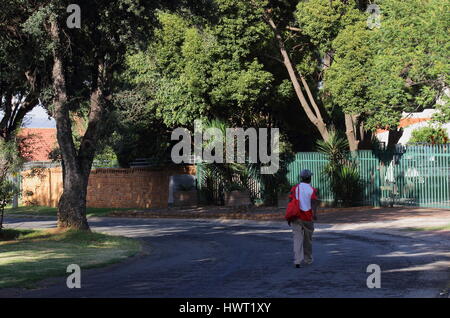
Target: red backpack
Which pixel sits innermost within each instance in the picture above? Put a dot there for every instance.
(293, 209)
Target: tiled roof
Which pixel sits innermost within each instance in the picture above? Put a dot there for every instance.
(405, 122)
(37, 143)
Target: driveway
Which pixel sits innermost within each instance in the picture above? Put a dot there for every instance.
(237, 258)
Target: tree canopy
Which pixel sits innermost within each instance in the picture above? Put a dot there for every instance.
(190, 72)
(226, 64)
(401, 66)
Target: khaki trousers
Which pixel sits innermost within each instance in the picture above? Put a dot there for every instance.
(302, 231)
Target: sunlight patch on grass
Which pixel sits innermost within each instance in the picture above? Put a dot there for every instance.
(34, 255)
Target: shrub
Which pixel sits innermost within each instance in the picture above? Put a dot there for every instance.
(276, 183)
(347, 189)
(10, 163)
(431, 135)
(7, 192)
(341, 173)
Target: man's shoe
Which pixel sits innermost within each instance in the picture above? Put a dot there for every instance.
(297, 265)
(309, 262)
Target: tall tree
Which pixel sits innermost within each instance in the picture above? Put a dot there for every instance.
(269, 11)
(322, 21)
(84, 61)
(23, 68)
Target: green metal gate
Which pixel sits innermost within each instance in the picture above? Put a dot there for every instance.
(409, 176)
(422, 177)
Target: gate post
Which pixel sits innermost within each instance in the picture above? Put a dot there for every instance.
(377, 192)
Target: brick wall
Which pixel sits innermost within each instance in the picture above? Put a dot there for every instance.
(107, 188)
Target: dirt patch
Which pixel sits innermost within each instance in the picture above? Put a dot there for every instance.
(370, 214)
(248, 213)
(326, 215)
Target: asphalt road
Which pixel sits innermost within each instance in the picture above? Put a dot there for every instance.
(206, 258)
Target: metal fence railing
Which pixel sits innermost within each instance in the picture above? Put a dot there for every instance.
(417, 175)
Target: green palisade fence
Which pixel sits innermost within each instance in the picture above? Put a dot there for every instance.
(414, 176)
(423, 176)
(315, 162)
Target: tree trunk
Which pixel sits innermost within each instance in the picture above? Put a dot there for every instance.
(314, 116)
(1, 218)
(393, 137)
(72, 204)
(366, 138)
(358, 138)
(76, 164)
(350, 131)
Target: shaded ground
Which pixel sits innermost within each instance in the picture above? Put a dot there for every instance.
(238, 258)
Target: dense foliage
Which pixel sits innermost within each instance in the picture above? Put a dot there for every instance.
(429, 135)
(10, 163)
(401, 66)
(340, 171)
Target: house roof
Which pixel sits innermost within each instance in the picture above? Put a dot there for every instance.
(409, 119)
(37, 143)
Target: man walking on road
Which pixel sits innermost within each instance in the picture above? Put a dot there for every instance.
(303, 226)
